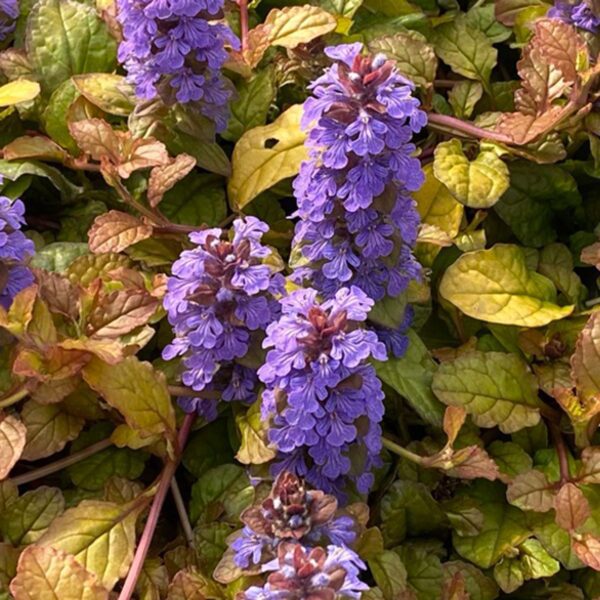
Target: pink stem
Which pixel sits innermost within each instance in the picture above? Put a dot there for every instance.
(155, 509)
(244, 23)
(468, 129)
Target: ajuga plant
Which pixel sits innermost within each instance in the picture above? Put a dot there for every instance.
(15, 250)
(175, 49)
(220, 292)
(324, 396)
(298, 538)
(299, 300)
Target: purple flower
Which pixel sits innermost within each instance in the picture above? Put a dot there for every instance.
(9, 12)
(220, 292)
(322, 394)
(358, 222)
(175, 49)
(15, 250)
(580, 14)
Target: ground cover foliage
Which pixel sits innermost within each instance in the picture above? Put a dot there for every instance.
(299, 300)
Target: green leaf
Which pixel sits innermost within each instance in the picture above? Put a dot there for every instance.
(510, 458)
(93, 472)
(221, 492)
(28, 517)
(9, 557)
(424, 571)
(344, 8)
(208, 448)
(49, 428)
(210, 543)
(100, 535)
(496, 285)
(79, 41)
(389, 574)
(265, 155)
(21, 90)
(478, 183)
(463, 97)
(56, 115)
(556, 263)
(537, 201)
(407, 507)
(252, 104)
(198, 198)
(466, 49)
(495, 388)
(411, 377)
(58, 257)
(15, 169)
(483, 17)
(504, 526)
(46, 573)
(137, 391)
(413, 56)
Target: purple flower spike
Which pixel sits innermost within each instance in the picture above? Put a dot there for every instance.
(15, 250)
(580, 14)
(9, 12)
(323, 395)
(219, 293)
(175, 49)
(358, 222)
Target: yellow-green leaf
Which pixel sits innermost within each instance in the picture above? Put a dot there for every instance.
(258, 163)
(12, 442)
(254, 449)
(294, 25)
(50, 574)
(100, 535)
(21, 90)
(478, 183)
(495, 388)
(496, 285)
(437, 207)
(49, 428)
(137, 391)
(108, 91)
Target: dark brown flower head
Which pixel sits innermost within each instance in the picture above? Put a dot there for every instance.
(310, 579)
(290, 511)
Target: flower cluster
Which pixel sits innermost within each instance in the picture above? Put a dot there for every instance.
(358, 222)
(324, 397)
(15, 249)
(219, 293)
(580, 14)
(176, 47)
(296, 534)
(9, 11)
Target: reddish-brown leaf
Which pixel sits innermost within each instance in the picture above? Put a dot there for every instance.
(59, 294)
(587, 548)
(141, 154)
(590, 255)
(53, 363)
(114, 231)
(473, 462)
(165, 177)
(590, 469)
(455, 588)
(96, 138)
(120, 312)
(39, 147)
(531, 491)
(571, 506)
(585, 363)
(454, 419)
